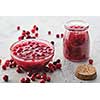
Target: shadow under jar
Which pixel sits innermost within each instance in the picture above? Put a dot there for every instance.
(76, 42)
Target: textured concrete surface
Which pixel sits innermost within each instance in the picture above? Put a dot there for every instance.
(8, 35)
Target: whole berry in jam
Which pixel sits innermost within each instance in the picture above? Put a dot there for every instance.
(91, 61)
(5, 78)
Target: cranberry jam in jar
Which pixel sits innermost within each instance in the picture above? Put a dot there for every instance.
(76, 42)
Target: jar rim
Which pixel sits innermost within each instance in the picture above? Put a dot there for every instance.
(82, 23)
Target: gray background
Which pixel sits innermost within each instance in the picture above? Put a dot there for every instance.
(8, 35)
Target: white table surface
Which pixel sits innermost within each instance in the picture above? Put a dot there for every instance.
(8, 35)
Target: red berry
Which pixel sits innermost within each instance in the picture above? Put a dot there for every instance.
(23, 33)
(49, 32)
(52, 42)
(62, 35)
(57, 35)
(27, 80)
(34, 26)
(58, 66)
(36, 35)
(22, 80)
(27, 32)
(44, 76)
(5, 78)
(0, 61)
(58, 61)
(42, 81)
(33, 77)
(38, 76)
(4, 67)
(37, 28)
(19, 70)
(48, 78)
(20, 38)
(18, 27)
(91, 61)
(33, 30)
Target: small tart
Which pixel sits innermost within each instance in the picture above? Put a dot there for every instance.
(86, 72)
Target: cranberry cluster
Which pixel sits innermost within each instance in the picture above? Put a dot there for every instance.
(27, 34)
(35, 74)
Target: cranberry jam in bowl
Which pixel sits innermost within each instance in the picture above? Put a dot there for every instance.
(32, 53)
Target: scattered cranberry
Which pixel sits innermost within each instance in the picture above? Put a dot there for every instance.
(37, 28)
(48, 78)
(33, 30)
(20, 38)
(49, 32)
(58, 61)
(91, 61)
(27, 80)
(62, 35)
(33, 77)
(24, 31)
(58, 65)
(42, 81)
(38, 76)
(29, 73)
(27, 32)
(22, 80)
(19, 70)
(52, 42)
(36, 35)
(18, 27)
(57, 35)
(34, 26)
(44, 76)
(0, 61)
(5, 78)
(4, 67)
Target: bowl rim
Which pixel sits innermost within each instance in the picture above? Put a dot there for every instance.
(31, 60)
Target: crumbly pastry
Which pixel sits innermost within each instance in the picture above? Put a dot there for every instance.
(86, 72)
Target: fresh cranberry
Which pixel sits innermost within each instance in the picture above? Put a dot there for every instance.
(44, 76)
(57, 35)
(33, 77)
(38, 76)
(48, 78)
(34, 26)
(27, 32)
(22, 80)
(52, 42)
(37, 28)
(19, 70)
(36, 34)
(18, 27)
(4, 67)
(29, 73)
(49, 32)
(27, 80)
(58, 61)
(62, 35)
(0, 61)
(58, 65)
(91, 61)
(24, 31)
(20, 38)
(12, 65)
(33, 30)
(5, 78)
(42, 81)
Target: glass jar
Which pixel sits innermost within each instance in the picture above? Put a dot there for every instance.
(76, 42)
